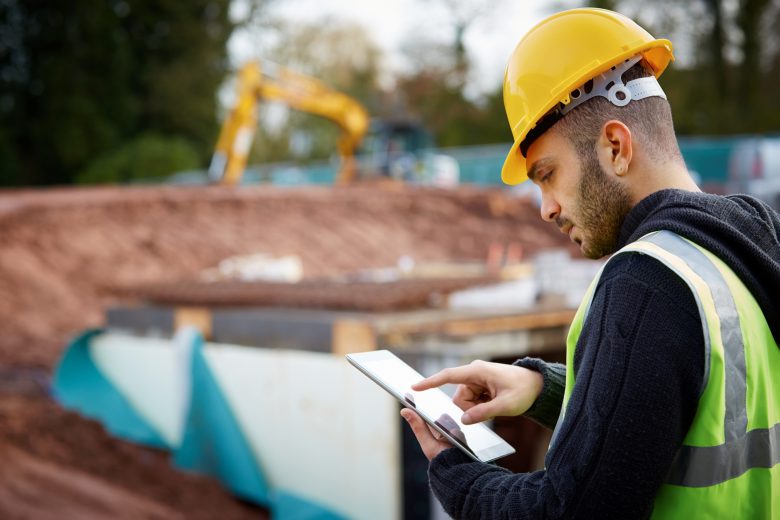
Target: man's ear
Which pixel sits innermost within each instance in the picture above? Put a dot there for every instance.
(615, 147)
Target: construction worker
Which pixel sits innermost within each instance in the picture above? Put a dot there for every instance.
(669, 403)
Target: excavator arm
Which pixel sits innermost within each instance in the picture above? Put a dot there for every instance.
(258, 82)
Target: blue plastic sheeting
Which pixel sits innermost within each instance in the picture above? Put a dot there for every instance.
(291, 507)
(212, 443)
(79, 385)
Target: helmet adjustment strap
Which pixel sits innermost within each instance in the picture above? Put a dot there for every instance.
(608, 85)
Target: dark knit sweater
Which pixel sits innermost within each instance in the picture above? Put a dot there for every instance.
(639, 365)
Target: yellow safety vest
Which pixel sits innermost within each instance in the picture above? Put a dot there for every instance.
(729, 463)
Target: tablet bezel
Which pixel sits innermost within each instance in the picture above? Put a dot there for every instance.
(488, 454)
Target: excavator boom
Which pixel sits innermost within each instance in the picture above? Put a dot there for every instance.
(268, 81)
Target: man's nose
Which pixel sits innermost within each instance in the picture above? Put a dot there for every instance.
(550, 209)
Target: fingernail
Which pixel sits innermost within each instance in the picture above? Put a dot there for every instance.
(466, 419)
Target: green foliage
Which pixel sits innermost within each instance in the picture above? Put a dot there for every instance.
(453, 119)
(434, 92)
(81, 78)
(149, 156)
(728, 61)
(9, 172)
(604, 4)
(89, 87)
(54, 83)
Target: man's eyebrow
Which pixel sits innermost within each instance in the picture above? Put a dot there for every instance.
(538, 165)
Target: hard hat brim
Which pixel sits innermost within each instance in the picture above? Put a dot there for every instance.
(514, 170)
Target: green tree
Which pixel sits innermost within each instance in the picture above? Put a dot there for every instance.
(79, 79)
(434, 89)
(728, 61)
(180, 52)
(65, 87)
(150, 156)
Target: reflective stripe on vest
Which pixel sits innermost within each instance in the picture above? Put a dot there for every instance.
(740, 449)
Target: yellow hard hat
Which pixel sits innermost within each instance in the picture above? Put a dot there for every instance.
(560, 54)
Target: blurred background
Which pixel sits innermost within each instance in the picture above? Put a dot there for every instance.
(126, 91)
(204, 205)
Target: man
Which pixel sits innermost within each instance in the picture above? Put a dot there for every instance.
(670, 400)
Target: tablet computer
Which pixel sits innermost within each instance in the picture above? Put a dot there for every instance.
(437, 409)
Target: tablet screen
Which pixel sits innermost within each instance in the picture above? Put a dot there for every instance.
(433, 405)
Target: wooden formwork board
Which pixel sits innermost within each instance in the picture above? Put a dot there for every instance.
(343, 332)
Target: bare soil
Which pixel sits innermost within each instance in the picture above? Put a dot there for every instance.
(63, 252)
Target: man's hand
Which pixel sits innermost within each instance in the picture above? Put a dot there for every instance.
(431, 441)
(487, 390)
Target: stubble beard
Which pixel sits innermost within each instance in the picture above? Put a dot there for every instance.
(602, 206)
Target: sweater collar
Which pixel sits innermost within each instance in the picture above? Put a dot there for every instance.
(740, 230)
(639, 213)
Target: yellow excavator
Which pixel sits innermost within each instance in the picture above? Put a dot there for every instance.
(267, 81)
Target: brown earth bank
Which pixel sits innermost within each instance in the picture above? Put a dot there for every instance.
(56, 464)
(64, 251)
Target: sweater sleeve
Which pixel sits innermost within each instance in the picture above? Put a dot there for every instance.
(547, 406)
(639, 367)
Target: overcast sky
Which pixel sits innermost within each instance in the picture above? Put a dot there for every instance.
(489, 40)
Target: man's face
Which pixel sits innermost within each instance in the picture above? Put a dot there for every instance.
(586, 202)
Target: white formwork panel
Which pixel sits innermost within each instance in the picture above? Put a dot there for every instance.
(318, 427)
(151, 374)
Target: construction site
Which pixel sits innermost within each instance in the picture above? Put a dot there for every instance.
(149, 330)
(377, 267)
(187, 274)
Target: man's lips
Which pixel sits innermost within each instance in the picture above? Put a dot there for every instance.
(567, 230)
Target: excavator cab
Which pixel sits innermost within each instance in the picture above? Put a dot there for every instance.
(394, 148)
(403, 150)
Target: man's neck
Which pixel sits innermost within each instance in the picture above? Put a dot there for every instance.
(661, 177)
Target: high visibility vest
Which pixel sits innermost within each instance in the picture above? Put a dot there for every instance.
(729, 463)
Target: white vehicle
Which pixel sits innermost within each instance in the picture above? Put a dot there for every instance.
(754, 169)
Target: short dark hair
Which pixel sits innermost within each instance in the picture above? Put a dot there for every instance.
(649, 118)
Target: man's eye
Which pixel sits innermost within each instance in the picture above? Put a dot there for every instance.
(545, 177)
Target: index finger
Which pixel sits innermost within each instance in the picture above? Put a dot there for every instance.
(455, 375)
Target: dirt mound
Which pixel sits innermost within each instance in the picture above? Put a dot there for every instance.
(56, 464)
(62, 251)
